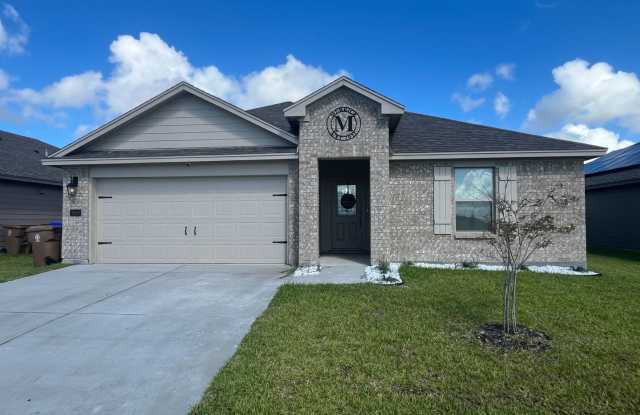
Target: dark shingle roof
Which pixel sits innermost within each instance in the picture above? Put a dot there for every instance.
(20, 159)
(619, 159)
(274, 115)
(207, 151)
(418, 133)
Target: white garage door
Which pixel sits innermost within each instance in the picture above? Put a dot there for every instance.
(204, 219)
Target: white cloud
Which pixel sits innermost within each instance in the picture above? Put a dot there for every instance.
(589, 94)
(289, 81)
(14, 32)
(595, 136)
(466, 102)
(480, 81)
(82, 129)
(4, 80)
(73, 91)
(501, 104)
(147, 65)
(506, 71)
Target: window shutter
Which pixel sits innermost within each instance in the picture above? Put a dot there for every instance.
(442, 200)
(508, 183)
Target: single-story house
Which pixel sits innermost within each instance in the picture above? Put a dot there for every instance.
(188, 177)
(613, 199)
(30, 193)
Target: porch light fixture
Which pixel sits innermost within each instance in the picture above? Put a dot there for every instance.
(72, 186)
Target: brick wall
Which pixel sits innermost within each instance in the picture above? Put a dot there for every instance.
(315, 143)
(410, 233)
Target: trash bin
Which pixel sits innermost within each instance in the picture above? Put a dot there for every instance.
(45, 244)
(45, 253)
(43, 233)
(16, 239)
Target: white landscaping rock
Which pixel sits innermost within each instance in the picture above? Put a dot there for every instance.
(543, 269)
(554, 269)
(374, 275)
(435, 265)
(306, 270)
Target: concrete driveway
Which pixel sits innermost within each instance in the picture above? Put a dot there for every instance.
(124, 339)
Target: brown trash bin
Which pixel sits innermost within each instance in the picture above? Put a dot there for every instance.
(43, 233)
(45, 244)
(45, 253)
(16, 239)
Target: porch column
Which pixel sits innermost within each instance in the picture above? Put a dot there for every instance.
(309, 209)
(379, 182)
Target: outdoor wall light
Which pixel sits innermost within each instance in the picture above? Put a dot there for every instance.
(72, 186)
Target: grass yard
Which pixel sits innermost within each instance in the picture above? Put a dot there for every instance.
(14, 267)
(390, 350)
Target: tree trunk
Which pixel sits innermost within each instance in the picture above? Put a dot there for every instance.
(514, 302)
(506, 309)
(509, 299)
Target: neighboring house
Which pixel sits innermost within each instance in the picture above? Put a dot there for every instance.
(613, 199)
(30, 193)
(188, 177)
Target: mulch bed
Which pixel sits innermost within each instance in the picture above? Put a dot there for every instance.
(525, 339)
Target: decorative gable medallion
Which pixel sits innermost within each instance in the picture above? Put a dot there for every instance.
(343, 124)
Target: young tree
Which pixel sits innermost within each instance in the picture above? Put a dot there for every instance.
(524, 226)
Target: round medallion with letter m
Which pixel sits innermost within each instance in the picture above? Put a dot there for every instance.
(343, 124)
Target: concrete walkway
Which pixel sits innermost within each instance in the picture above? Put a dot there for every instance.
(336, 269)
(124, 339)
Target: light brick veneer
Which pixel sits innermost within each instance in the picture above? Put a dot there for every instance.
(75, 232)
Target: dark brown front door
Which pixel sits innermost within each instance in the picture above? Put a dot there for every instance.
(345, 215)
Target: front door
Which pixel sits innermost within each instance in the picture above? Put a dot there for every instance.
(345, 215)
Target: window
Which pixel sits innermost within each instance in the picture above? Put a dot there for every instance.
(474, 199)
(346, 199)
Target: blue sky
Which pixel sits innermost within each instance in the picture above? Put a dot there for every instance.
(561, 68)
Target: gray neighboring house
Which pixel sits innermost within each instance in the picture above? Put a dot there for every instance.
(188, 177)
(30, 193)
(613, 199)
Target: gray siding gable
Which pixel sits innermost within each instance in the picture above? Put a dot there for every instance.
(186, 121)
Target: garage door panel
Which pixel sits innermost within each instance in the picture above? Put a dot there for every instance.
(237, 219)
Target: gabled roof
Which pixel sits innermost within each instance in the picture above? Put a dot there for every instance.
(419, 135)
(424, 134)
(388, 106)
(182, 87)
(20, 160)
(619, 159)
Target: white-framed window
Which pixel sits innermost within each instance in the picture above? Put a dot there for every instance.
(474, 199)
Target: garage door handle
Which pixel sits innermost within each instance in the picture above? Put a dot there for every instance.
(185, 231)
(195, 230)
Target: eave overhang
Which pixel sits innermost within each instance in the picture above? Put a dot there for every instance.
(458, 155)
(387, 105)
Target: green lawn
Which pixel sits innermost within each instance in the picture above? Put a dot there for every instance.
(14, 267)
(390, 350)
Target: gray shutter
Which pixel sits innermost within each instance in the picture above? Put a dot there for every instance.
(508, 183)
(442, 200)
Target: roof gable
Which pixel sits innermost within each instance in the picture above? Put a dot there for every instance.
(387, 105)
(164, 97)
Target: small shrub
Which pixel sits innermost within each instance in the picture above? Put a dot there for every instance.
(469, 264)
(383, 266)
